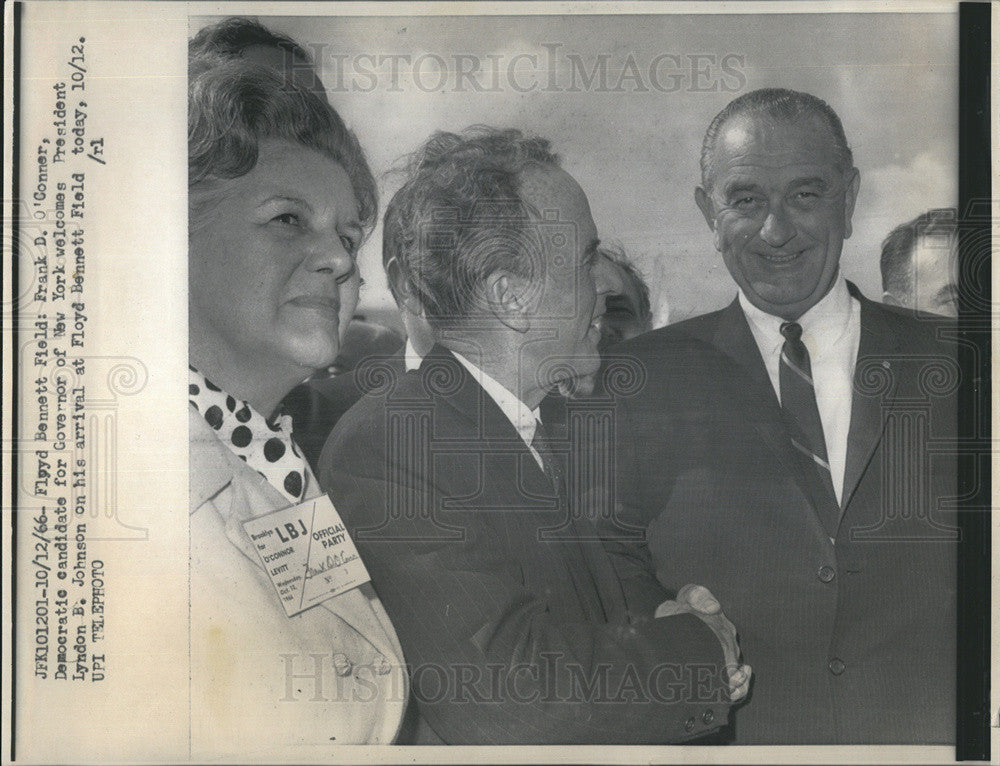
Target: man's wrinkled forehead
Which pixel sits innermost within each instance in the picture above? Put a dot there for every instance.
(760, 141)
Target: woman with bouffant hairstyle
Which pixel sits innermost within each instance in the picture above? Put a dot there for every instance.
(280, 198)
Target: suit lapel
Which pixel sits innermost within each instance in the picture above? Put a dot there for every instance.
(476, 420)
(763, 410)
(573, 537)
(209, 469)
(734, 338)
(253, 496)
(873, 392)
(452, 387)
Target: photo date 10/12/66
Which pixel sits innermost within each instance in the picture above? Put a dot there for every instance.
(69, 611)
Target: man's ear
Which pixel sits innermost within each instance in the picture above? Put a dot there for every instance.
(850, 197)
(505, 297)
(401, 289)
(411, 304)
(394, 278)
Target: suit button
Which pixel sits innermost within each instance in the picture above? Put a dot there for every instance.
(708, 716)
(826, 574)
(382, 665)
(342, 665)
(837, 666)
(689, 724)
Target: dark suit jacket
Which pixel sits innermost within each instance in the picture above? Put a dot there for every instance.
(317, 404)
(852, 642)
(514, 624)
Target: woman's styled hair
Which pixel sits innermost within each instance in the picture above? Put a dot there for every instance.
(234, 104)
(459, 217)
(230, 38)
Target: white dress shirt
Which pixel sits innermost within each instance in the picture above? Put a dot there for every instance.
(522, 417)
(831, 331)
(411, 359)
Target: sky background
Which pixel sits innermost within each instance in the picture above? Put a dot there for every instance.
(892, 78)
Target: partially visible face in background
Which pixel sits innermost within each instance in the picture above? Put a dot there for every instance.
(935, 275)
(623, 314)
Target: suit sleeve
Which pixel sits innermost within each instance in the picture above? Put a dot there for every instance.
(624, 530)
(489, 664)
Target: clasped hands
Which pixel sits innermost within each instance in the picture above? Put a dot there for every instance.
(699, 601)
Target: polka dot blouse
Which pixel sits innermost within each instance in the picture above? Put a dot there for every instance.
(263, 444)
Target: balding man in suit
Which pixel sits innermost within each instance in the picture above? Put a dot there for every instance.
(509, 610)
(790, 451)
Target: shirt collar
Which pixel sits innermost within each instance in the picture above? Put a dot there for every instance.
(210, 471)
(829, 318)
(411, 359)
(522, 417)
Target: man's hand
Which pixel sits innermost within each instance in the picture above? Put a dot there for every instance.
(698, 600)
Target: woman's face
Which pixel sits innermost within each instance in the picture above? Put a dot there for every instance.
(272, 273)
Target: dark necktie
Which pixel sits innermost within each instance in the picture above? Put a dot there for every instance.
(798, 402)
(550, 463)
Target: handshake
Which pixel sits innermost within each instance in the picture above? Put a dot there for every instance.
(699, 601)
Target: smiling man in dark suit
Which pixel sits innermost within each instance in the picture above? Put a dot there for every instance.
(791, 451)
(511, 616)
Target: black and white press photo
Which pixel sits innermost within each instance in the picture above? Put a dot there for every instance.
(557, 375)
